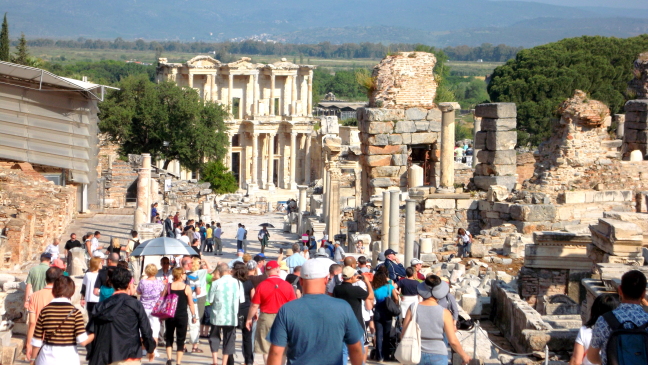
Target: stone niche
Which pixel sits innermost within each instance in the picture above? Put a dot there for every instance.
(404, 79)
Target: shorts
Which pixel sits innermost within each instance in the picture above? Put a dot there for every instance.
(205, 320)
(261, 345)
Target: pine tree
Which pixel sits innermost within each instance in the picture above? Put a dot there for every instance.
(22, 53)
(4, 40)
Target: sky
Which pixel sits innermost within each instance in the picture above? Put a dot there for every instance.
(636, 4)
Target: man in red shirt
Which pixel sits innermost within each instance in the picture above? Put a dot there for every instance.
(269, 296)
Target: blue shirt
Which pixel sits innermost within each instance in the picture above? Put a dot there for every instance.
(315, 328)
(383, 292)
(624, 313)
(295, 260)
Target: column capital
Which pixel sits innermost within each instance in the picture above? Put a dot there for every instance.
(302, 187)
(446, 107)
(293, 133)
(272, 134)
(255, 134)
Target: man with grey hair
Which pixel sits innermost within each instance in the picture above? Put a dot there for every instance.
(295, 259)
(225, 295)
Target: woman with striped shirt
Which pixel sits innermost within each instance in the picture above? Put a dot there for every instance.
(60, 328)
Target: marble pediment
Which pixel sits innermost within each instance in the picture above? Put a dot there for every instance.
(203, 62)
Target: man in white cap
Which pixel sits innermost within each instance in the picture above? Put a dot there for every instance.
(320, 339)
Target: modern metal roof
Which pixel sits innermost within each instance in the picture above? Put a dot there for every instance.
(39, 79)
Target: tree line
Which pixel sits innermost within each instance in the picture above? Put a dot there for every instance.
(485, 52)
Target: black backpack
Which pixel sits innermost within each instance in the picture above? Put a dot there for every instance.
(136, 243)
(626, 346)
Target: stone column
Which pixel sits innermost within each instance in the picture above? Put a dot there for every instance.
(293, 96)
(293, 160)
(190, 77)
(207, 88)
(410, 229)
(249, 97)
(447, 148)
(333, 226)
(270, 184)
(301, 204)
(228, 157)
(143, 211)
(230, 99)
(214, 88)
(285, 103)
(384, 240)
(272, 94)
(476, 129)
(310, 93)
(255, 156)
(307, 159)
(255, 95)
(394, 219)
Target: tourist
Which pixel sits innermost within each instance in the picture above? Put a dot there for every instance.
(177, 326)
(239, 258)
(69, 245)
(394, 267)
(61, 265)
(264, 236)
(102, 276)
(38, 301)
(226, 294)
(464, 240)
(339, 253)
(362, 265)
(602, 304)
(261, 261)
(106, 290)
(360, 247)
(335, 278)
(195, 245)
(320, 339)
(629, 314)
(449, 302)
(383, 288)
(203, 234)
(435, 323)
(469, 154)
(269, 296)
(115, 247)
(197, 281)
(241, 272)
(94, 242)
(240, 236)
(184, 236)
(176, 218)
(36, 277)
(178, 230)
(209, 240)
(134, 264)
(154, 212)
(359, 298)
(306, 237)
(87, 242)
(53, 249)
(168, 226)
(408, 289)
(417, 265)
(149, 290)
(295, 259)
(218, 232)
(205, 320)
(458, 152)
(88, 298)
(164, 274)
(120, 325)
(293, 279)
(59, 328)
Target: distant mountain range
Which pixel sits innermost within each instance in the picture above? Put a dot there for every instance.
(436, 22)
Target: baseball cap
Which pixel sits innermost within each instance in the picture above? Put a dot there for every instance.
(389, 251)
(259, 258)
(251, 265)
(315, 269)
(46, 255)
(261, 255)
(99, 254)
(58, 263)
(415, 262)
(348, 272)
(272, 265)
(240, 251)
(321, 252)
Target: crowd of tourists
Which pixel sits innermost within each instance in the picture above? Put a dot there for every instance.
(313, 304)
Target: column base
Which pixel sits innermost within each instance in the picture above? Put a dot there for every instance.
(444, 190)
(252, 188)
(270, 186)
(293, 185)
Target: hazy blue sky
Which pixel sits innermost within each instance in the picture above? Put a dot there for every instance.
(642, 4)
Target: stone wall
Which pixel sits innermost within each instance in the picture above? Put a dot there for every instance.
(33, 211)
(525, 166)
(635, 135)
(404, 79)
(639, 84)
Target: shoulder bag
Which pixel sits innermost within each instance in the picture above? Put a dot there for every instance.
(166, 306)
(392, 307)
(409, 349)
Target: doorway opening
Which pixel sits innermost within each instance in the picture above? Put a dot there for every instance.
(236, 165)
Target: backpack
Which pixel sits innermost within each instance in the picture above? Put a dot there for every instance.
(136, 243)
(626, 346)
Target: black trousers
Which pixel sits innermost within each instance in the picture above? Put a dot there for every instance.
(248, 354)
(383, 324)
(178, 325)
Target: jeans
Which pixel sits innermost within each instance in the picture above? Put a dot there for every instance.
(383, 323)
(433, 359)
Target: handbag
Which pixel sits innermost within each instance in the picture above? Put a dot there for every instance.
(166, 306)
(409, 349)
(392, 307)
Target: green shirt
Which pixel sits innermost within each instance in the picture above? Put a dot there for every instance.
(225, 296)
(209, 281)
(36, 276)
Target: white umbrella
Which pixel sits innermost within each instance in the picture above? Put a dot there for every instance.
(162, 246)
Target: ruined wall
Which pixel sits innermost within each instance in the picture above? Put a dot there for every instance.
(639, 84)
(404, 79)
(33, 211)
(635, 135)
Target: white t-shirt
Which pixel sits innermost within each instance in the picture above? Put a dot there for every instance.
(178, 233)
(94, 244)
(465, 238)
(584, 338)
(53, 251)
(184, 239)
(89, 281)
(218, 232)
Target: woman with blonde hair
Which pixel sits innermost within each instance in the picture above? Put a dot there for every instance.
(88, 299)
(178, 324)
(149, 290)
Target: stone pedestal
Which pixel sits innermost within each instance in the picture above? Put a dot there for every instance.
(206, 211)
(301, 203)
(447, 148)
(426, 245)
(385, 222)
(410, 229)
(192, 211)
(394, 218)
(78, 262)
(144, 190)
(415, 176)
